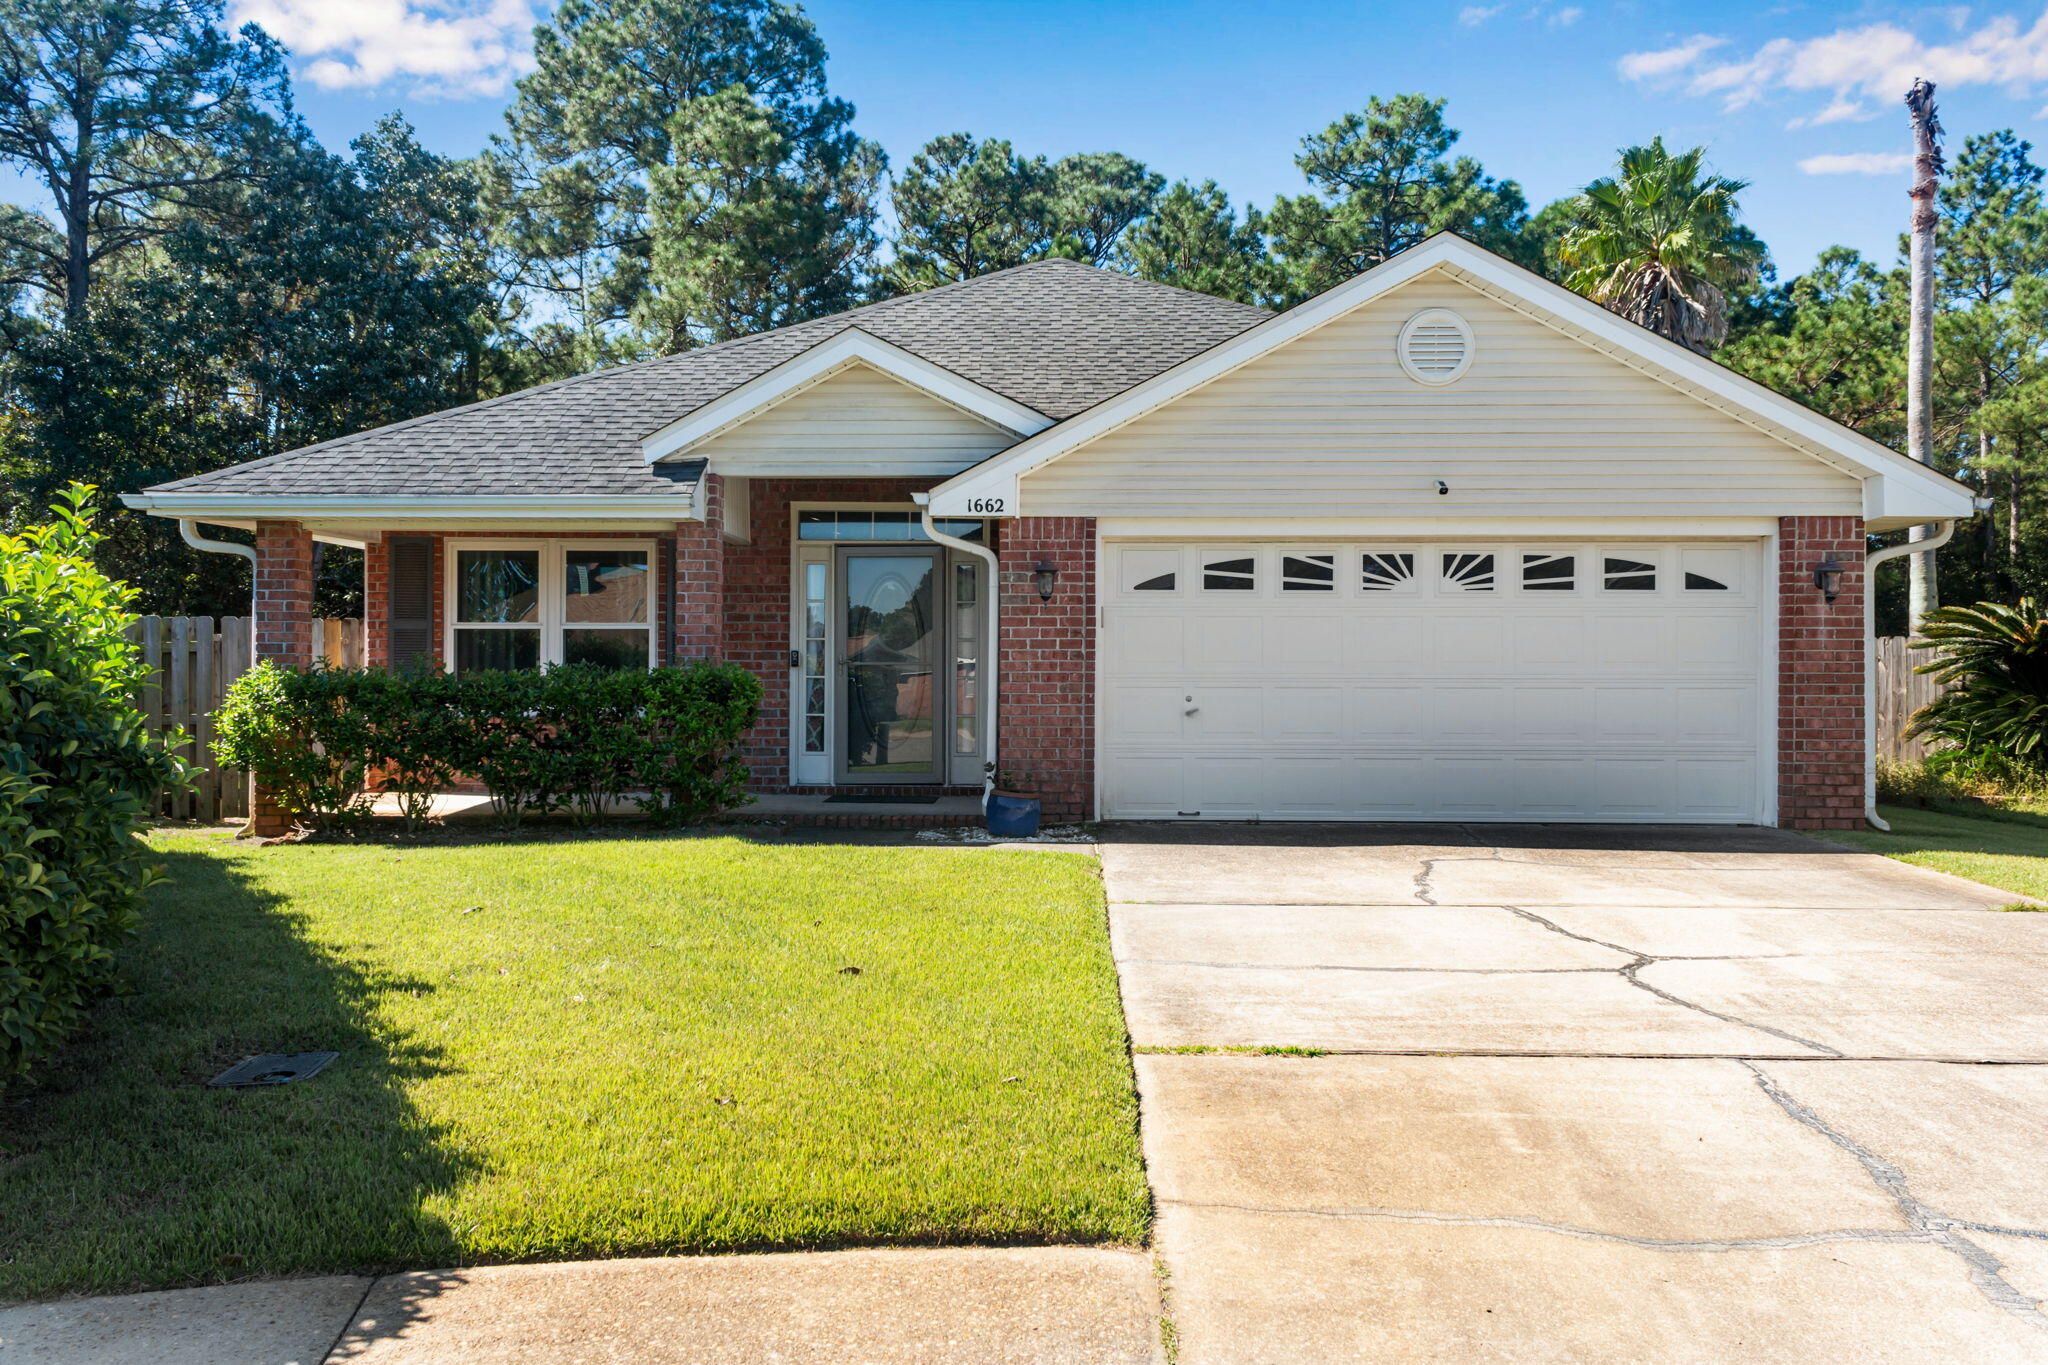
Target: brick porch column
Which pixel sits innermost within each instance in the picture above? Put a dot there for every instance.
(1822, 747)
(699, 587)
(283, 631)
(1045, 694)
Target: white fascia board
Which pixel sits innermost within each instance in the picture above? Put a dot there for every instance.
(1408, 528)
(997, 476)
(850, 347)
(305, 506)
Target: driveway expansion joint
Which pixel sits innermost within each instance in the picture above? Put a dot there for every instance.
(1775, 1242)
(1985, 1269)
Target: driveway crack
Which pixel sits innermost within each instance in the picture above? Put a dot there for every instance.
(1630, 972)
(1945, 1232)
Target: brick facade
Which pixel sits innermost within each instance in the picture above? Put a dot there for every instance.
(733, 601)
(1046, 738)
(284, 593)
(1822, 743)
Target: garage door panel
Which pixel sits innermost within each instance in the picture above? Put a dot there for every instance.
(1140, 642)
(1393, 714)
(1469, 640)
(1378, 641)
(1636, 640)
(1470, 715)
(1305, 643)
(1610, 700)
(1145, 715)
(1307, 713)
(1233, 643)
(1556, 715)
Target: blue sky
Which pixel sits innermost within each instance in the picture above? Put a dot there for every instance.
(1800, 99)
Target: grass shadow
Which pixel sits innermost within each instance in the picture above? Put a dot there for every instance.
(121, 1170)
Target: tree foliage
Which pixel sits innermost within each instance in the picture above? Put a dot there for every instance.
(1661, 244)
(1992, 659)
(121, 110)
(589, 185)
(966, 207)
(1384, 179)
(1193, 239)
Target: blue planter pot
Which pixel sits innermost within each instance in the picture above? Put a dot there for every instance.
(1012, 817)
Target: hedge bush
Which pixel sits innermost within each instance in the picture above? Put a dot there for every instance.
(78, 776)
(575, 738)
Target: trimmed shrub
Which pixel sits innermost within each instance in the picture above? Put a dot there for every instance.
(78, 776)
(574, 738)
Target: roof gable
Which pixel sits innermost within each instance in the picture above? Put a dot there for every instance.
(835, 359)
(1895, 488)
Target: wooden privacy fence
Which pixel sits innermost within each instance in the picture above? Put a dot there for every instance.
(194, 658)
(1899, 693)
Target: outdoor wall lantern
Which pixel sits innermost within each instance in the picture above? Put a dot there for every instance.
(1043, 576)
(1827, 576)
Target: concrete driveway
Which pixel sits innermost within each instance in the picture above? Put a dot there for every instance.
(1586, 1094)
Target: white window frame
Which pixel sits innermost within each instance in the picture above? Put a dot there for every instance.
(553, 593)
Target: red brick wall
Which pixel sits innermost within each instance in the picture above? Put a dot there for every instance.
(376, 603)
(284, 592)
(698, 582)
(1821, 645)
(757, 604)
(1046, 690)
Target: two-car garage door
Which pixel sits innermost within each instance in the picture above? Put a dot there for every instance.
(1537, 681)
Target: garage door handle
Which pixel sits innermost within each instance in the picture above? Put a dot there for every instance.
(1191, 710)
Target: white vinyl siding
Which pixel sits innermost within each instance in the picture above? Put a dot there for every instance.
(858, 420)
(1540, 425)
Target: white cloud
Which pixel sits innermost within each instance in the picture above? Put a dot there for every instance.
(1857, 66)
(1665, 61)
(434, 47)
(1472, 16)
(1858, 163)
(1566, 17)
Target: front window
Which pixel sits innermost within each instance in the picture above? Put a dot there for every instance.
(523, 606)
(830, 524)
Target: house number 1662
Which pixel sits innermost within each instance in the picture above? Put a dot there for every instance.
(984, 507)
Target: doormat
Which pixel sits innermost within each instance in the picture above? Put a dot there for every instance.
(851, 800)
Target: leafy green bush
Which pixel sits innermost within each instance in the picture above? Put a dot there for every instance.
(575, 738)
(1994, 662)
(78, 774)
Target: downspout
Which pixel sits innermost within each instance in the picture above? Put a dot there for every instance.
(994, 648)
(188, 528)
(1946, 529)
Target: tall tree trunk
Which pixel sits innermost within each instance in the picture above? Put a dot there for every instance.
(1924, 589)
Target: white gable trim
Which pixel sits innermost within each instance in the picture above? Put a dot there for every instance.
(837, 352)
(1895, 487)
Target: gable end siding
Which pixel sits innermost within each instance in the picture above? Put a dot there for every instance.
(858, 420)
(1330, 425)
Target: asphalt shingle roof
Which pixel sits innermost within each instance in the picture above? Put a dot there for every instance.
(1056, 336)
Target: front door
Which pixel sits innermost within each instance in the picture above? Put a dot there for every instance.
(889, 640)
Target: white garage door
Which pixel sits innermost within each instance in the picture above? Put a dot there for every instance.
(1600, 682)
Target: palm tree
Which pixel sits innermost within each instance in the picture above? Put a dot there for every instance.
(1659, 244)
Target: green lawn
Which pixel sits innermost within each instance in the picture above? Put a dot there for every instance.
(581, 1048)
(2003, 848)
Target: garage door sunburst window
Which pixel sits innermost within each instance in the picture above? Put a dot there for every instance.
(1468, 572)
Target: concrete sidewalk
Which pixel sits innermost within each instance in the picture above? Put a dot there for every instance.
(951, 1306)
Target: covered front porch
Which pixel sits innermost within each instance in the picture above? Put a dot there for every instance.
(874, 631)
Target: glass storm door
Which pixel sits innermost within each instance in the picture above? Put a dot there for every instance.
(890, 636)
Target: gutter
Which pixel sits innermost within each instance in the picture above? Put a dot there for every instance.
(995, 636)
(1945, 530)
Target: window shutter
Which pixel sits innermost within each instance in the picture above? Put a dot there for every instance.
(410, 619)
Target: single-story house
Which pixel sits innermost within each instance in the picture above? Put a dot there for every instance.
(1447, 542)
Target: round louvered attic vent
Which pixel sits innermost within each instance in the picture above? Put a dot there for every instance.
(1435, 346)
